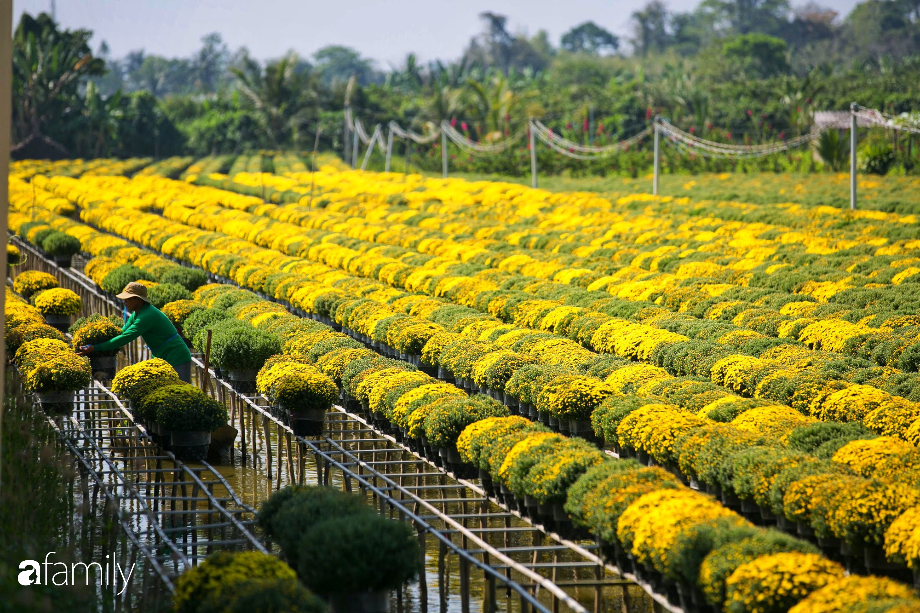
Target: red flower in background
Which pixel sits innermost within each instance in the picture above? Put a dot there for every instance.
(453, 122)
(749, 112)
(648, 113)
(692, 129)
(463, 126)
(728, 135)
(568, 126)
(586, 125)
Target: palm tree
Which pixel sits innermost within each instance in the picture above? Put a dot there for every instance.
(283, 95)
(47, 67)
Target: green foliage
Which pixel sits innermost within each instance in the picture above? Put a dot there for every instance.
(758, 54)
(226, 582)
(358, 553)
(834, 149)
(117, 279)
(60, 244)
(288, 513)
(875, 157)
(184, 408)
(162, 294)
(189, 278)
(243, 348)
(201, 320)
(723, 561)
(811, 438)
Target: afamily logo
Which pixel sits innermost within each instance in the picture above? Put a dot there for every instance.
(108, 573)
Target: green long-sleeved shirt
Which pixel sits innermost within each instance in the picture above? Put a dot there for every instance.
(158, 333)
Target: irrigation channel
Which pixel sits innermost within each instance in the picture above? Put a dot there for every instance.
(480, 555)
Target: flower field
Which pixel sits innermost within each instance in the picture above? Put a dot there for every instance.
(724, 395)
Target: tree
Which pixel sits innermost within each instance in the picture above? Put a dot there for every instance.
(282, 96)
(759, 55)
(48, 65)
(336, 64)
(590, 38)
(649, 27)
(745, 16)
(209, 64)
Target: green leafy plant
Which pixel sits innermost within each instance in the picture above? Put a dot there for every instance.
(162, 294)
(228, 581)
(289, 512)
(189, 278)
(357, 553)
(833, 149)
(201, 320)
(93, 330)
(243, 348)
(60, 244)
(117, 279)
(184, 407)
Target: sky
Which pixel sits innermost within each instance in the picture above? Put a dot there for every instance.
(385, 30)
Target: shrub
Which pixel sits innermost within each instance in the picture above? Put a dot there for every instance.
(201, 320)
(593, 479)
(118, 278)
(162, 294)
(32, 281)
(20, 335)
(774, 583)
(184, 407)
(58, 301)
(291, 511)
(60, 244)
(855, 593)
(550, 477)
(810, 438)
(224, 581)
(63, 372)
(36, 351)
(243, 348)
(179, 310)
(189, 278)
(13, 255)
(134, 382)
(93, 330)
(305, 390)
(474, 442)
(722, 562)
(358, 553)
(444, 423)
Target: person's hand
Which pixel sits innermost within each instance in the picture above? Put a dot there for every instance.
(86, 350)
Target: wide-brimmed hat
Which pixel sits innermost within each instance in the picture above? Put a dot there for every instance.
(134, 290)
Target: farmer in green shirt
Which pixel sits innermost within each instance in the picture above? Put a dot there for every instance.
(158, 332)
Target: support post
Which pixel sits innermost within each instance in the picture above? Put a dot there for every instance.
(354, 150)
(853, 156)
(346, 137)
(370, 148)
(408, 151)
(389, 149)
(443, 151)
(6, 97)
(533, 155)
(591, 125)
(657, 167)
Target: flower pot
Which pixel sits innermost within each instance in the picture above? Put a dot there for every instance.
(360, 602)
(59, 322)
(103, 367)
(55, 402)
(486, 480)
(63, 261)
(508, 496)
(543, 417)
(190, 445)
(530, 506)
(243, 380)
(307, 422)
(445, 375)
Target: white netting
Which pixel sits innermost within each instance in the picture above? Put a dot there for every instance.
(578, 151)
(421, 139)
(690, 143)
(473, 147)
(874, 117)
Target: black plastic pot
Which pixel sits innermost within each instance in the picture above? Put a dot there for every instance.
(190, 446)
(360, 602)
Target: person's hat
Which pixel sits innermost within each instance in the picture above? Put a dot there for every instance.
(134, 290)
